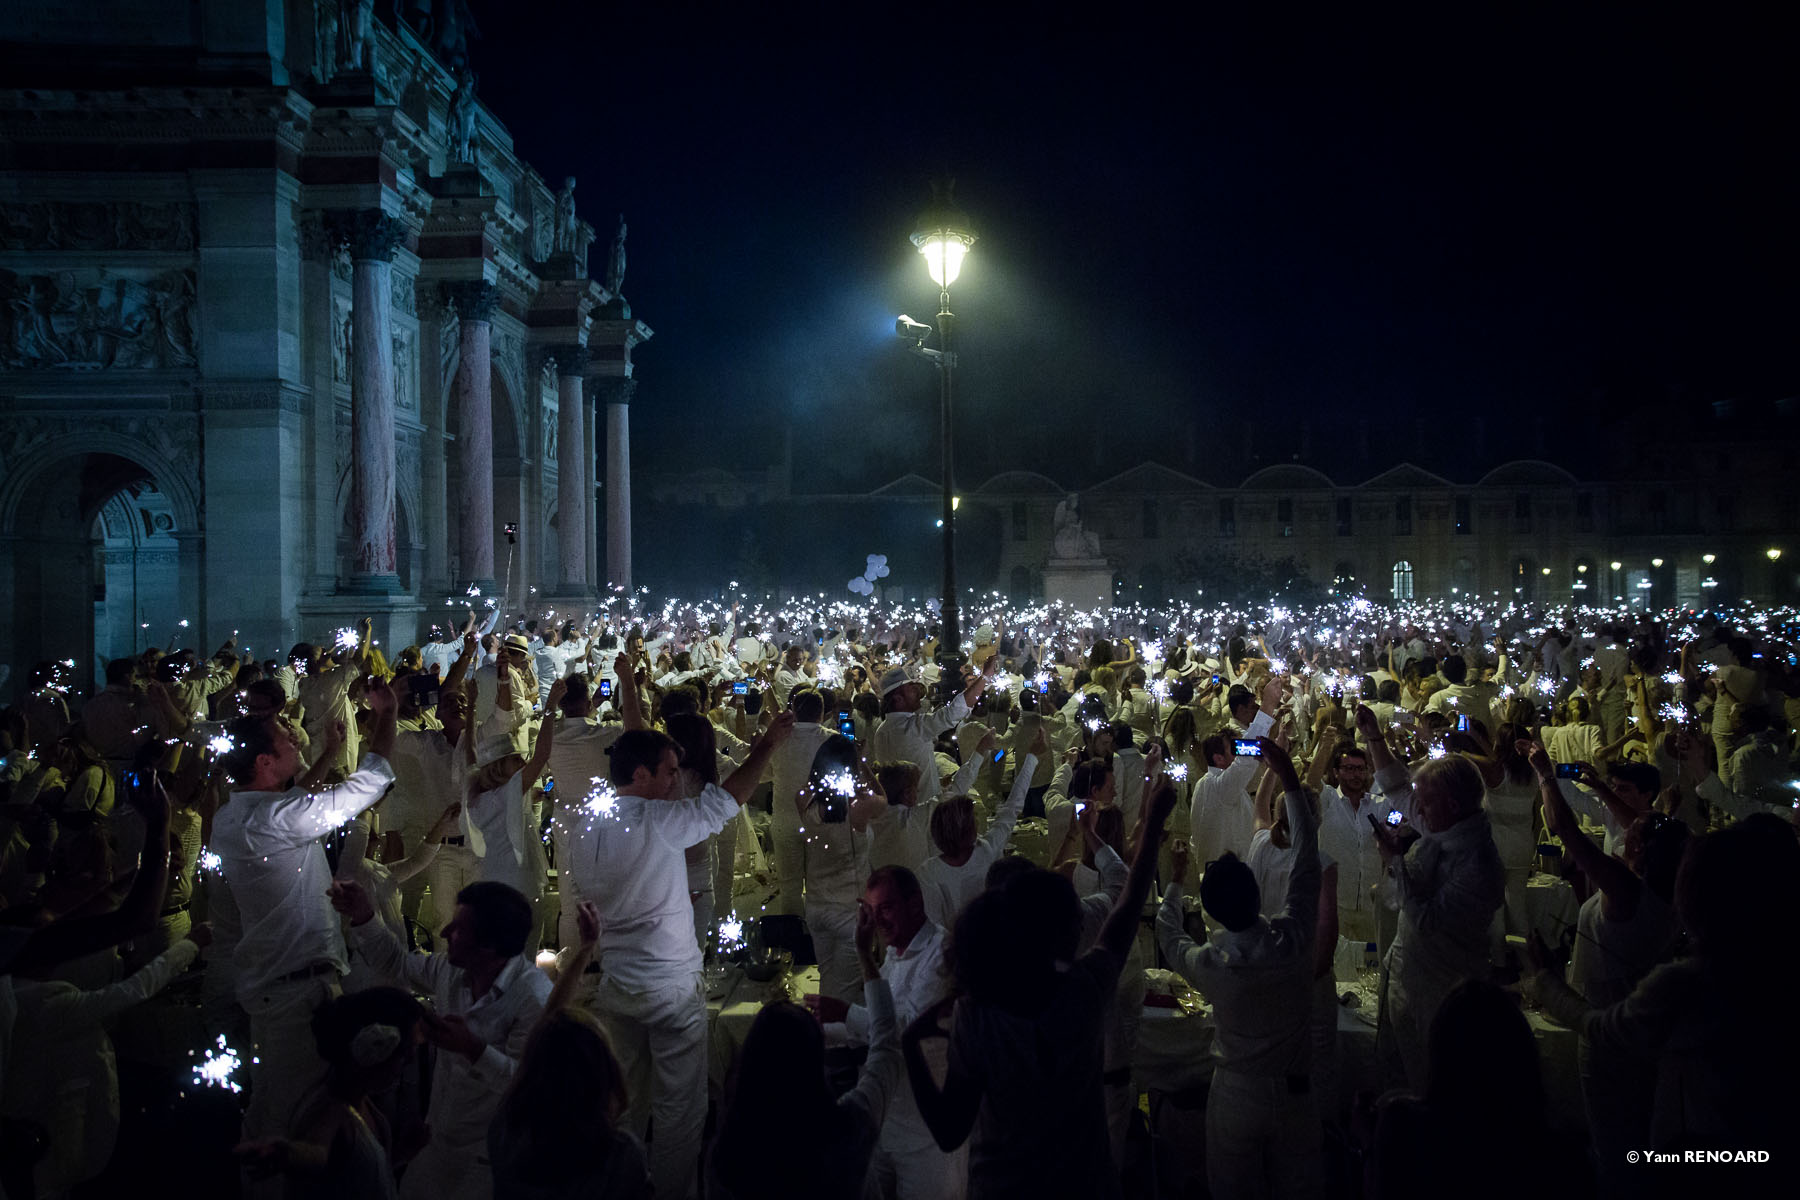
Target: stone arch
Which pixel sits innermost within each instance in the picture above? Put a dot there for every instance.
(409, 563)
(52, 568)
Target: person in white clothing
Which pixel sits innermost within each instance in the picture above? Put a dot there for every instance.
(909, 735)
(486, 996)
(789, 767)
(957, 875)
(836, 803)
(578, 758)
(290, 956)
(627, 854)
(908, 1162)
(497, 801)
(1224, 814)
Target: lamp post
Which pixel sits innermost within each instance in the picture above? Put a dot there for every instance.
(943, 237)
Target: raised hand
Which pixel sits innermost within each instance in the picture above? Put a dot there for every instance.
(587, 924)
(352, 899)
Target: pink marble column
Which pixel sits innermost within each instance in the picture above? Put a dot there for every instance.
(373, 236)
(615, 394)
(474, 303)
(571, 473)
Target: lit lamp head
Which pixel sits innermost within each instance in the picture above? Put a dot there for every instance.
(943, 235)
(1656, 562)
(1709, 559)
(1617, 565)
(1773, 553)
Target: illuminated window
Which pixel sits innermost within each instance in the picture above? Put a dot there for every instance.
(1403, 580)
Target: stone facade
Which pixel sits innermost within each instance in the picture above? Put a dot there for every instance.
(252, 279)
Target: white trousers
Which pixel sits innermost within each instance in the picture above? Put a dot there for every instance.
(454, 869)
(910, 1171)
(833, 929)
(659, 1036)
(785, 824)
(1261, 1139)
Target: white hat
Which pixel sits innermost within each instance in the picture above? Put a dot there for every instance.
(893, 679)
(984, 634)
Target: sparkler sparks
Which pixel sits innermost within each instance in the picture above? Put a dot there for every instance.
(216, 1069)
(211, 862)
(731, 934)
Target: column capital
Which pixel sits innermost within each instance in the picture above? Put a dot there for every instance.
(473, 299)
(321, 239)
(570, 359)
(369, 232)
(611, 389)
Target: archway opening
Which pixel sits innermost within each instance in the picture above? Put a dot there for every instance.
(95, 568)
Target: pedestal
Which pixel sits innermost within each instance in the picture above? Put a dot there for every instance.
(1082, 582)
(397, 619)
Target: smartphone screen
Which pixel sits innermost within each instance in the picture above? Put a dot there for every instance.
(741, 688)
(999, 754)
(606, 687)
(549, 784)
(1246, 747)
(1393, 817)
(1568, 771)
(846, 726)
(1462, 723)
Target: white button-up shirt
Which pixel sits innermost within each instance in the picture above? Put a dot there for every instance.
(918, 980)
(1224, 813)
(901, 835)
(632, 864)
(1346, 838)
(274, 860)
(464, 1095)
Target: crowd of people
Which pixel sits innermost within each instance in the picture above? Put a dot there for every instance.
(512, 853)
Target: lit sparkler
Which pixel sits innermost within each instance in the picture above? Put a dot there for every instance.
(216, 1069)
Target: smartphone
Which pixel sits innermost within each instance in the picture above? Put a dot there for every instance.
(1246, 747)
(549, 784)
(999, 754)
(1218, 679)
(1044, 688)
(1393, 817)
(741, 688)
(846, 725)
(605, 688)
(1568, 771)
(1080, 807)
(1462, 722)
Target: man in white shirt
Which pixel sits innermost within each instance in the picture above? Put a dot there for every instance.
(578, 762)
(1224, 814)
(1262, 1121)
(790, 767)
(1450, 883)
(789, 674)
(627, 855)
(906, 1156)
(486, 996)
(1346, 837)
(909, 735)
(290, 954)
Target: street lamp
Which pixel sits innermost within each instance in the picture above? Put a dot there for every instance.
(943, 237)
(1708, 559)
(1773, 553)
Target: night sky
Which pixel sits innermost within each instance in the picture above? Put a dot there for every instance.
(1214, 247)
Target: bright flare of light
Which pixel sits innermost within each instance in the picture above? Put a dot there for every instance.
(221, 743)
(215, 1070)
(1672, 714)
(1437, 751)
(1178, 771)
(841, 782)
(346, 639)
(1673, 679)
(943, 257)
(731, 934)
(211, 862)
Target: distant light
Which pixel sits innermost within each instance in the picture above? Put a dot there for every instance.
(1546, 570)
(1656, 562)
(1708, 559)
(1581, 568)
(955, 503)
(1617, 565)
(940, 522)
(1773, 553)
(943, 258)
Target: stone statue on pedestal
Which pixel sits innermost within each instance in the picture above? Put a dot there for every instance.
(325, 39)
(615, 266)
(461, 119)
(565, 217)
(1071, 540)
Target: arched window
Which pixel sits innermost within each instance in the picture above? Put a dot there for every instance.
(1403, 580)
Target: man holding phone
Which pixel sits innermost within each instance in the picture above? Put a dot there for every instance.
(1224, 813)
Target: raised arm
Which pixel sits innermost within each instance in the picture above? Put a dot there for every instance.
(1121, 924)
(629, 707)
(742, 782)
(546, 738)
